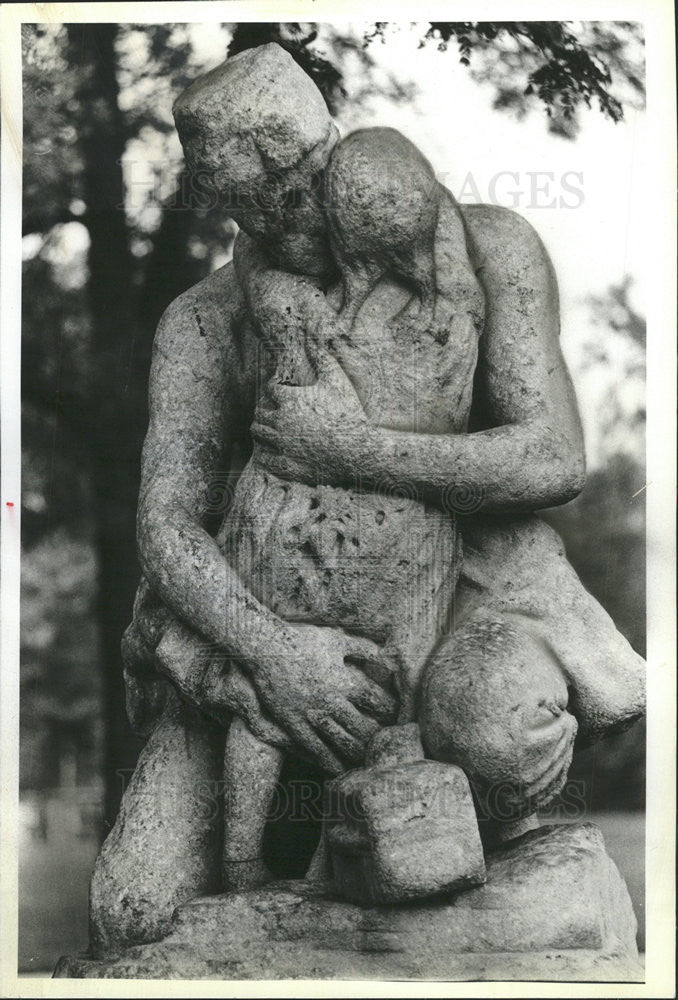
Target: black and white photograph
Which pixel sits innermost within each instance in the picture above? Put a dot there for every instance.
(338, 483)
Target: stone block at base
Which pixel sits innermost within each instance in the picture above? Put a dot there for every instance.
(554, 908)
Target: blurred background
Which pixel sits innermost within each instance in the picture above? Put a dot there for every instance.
(543, 117)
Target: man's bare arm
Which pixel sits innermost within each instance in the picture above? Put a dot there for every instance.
(533, 457)
(194, 421)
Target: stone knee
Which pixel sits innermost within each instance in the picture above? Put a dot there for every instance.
(494, 701)
(165, 845)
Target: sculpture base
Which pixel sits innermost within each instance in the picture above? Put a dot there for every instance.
(554, 908)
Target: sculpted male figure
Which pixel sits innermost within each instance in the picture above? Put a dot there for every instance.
(530, 656)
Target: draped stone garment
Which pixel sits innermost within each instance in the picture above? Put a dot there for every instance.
(383, 563)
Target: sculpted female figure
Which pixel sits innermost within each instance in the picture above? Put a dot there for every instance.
(315, 616)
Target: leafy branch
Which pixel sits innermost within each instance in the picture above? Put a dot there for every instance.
(562, 64)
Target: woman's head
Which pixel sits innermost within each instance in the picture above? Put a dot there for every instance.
(382, 202)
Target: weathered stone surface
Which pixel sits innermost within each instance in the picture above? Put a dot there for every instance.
(516, 568)
(403, 832)
(165, 845)
(379, 562)
(389, 311)
(257, 127)
(297, 962)
(234, 117)
(554, 907)
(495, 704)
(533, 659)
(394, 745)
(251, 770)
(402, 828)
(382, 566)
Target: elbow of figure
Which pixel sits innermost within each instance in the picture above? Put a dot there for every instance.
(567, 475)
(576, 479)
(151, 542)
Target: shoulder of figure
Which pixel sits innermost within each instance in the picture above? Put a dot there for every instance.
(500, 236)
(205, 318)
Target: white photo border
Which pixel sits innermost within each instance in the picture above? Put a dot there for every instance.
(657, 18)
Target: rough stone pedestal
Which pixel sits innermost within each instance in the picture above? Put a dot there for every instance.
(554, 908)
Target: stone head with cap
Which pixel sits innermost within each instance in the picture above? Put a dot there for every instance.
(258, 128)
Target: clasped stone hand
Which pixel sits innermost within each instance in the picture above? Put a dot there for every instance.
(311, 691)
(311, 433)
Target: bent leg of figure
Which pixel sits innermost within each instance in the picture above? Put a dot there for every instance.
(518, 566)
(251, 772)
(164, 847)
(494, 701)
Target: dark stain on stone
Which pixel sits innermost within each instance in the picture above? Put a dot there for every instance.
(198, 320)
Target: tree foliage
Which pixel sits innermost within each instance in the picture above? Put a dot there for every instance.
(559, 64)
(617, 346)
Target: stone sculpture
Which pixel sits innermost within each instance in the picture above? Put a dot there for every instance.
(379, 372)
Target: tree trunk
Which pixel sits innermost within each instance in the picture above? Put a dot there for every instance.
(126, 306)
(114, 423)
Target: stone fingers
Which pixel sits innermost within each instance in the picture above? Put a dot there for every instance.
(266, 435)
(554, 759)
(534, 775)
(136, 653)
(151, 617)
(360, 727)
(359, 648)
(350, 748)
(369, 697)
(236, 690)
(146, 691)
(184, 659)
(309, 740)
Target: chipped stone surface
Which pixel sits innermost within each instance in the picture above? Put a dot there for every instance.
(394, 745)
(241, 135)
(403, 832)
(401, 828)
(553, 907)
(165, 845)
(525, 626)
